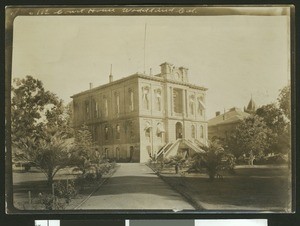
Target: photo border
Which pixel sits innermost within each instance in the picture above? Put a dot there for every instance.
(295, 146)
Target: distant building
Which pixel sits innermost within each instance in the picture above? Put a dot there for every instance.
(143, 116)
(222, 124)
(251, 107)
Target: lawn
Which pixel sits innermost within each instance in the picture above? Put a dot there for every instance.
(35, 182)
(258, 188)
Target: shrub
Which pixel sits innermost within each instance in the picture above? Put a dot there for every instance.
(65, 190)
(51, 202)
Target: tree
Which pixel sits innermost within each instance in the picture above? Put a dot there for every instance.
(275, 120)
(49, 155)
(177, 161)
(215, 159)
(40, 128)
(284, 100)
(252, 138)
(83, 154)
(28, 105)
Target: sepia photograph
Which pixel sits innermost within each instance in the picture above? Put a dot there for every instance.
(149, 109)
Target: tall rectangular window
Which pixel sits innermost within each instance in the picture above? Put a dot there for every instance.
(131, 100)
(177, 100)
(105, 100)
(118, 132)
(97, 110)
(201, 131)
(87, 110)
(117, 103)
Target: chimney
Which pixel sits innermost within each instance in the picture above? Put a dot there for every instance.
(111, 78)
(91, 85)
(218, 113)
(150, 71)
(165, 68)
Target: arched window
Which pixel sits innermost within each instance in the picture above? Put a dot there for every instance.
(106, 132)
(145, 92)
(158, 99)
(118, 132)
(160, 131)
(106, 153)
(148, 131)
(193, 131)
(201, 131)
(117, 153)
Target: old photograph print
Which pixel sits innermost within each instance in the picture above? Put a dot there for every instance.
(167, 109)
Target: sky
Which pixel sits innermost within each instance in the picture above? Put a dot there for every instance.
(233, 56)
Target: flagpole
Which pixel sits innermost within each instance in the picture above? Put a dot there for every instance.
(145, 48)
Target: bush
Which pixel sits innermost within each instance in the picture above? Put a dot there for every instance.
(51, 202)
(273, 159)
(94, 173)
(65, 190)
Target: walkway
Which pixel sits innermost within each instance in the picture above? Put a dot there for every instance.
(135, 186)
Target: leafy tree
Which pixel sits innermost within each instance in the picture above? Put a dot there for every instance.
(40, 128)
(232, 144)
(273, 117)
(252, 138)
(284, 100)
(29, 103)
(215, 159)
(83, 154)
(49, 155)
(277, 123)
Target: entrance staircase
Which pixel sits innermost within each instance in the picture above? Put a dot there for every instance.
(172, 148)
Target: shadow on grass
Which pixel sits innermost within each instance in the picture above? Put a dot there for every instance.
(251, 187)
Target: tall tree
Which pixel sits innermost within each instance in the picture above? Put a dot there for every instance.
(252, 137)
(276, 121)
(39, 127)
(284, 100)
(83, 154)
(29, 103)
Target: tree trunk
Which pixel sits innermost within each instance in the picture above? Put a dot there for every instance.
(211, 176)
(251, 158)
(50, 179)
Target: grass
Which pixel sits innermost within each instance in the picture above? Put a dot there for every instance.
(262, 188)
(35, 182)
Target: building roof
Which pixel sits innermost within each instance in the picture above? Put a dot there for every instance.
(139, 75)
(251, 105)
(232, 116)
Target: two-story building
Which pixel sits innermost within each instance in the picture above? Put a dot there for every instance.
(144, 116)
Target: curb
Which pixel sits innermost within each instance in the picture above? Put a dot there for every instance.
(185, 195)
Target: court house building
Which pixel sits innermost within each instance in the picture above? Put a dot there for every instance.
(144, 116)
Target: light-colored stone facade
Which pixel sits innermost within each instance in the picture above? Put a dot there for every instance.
(131, 119)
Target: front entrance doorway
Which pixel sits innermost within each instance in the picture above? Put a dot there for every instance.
(178, 130)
